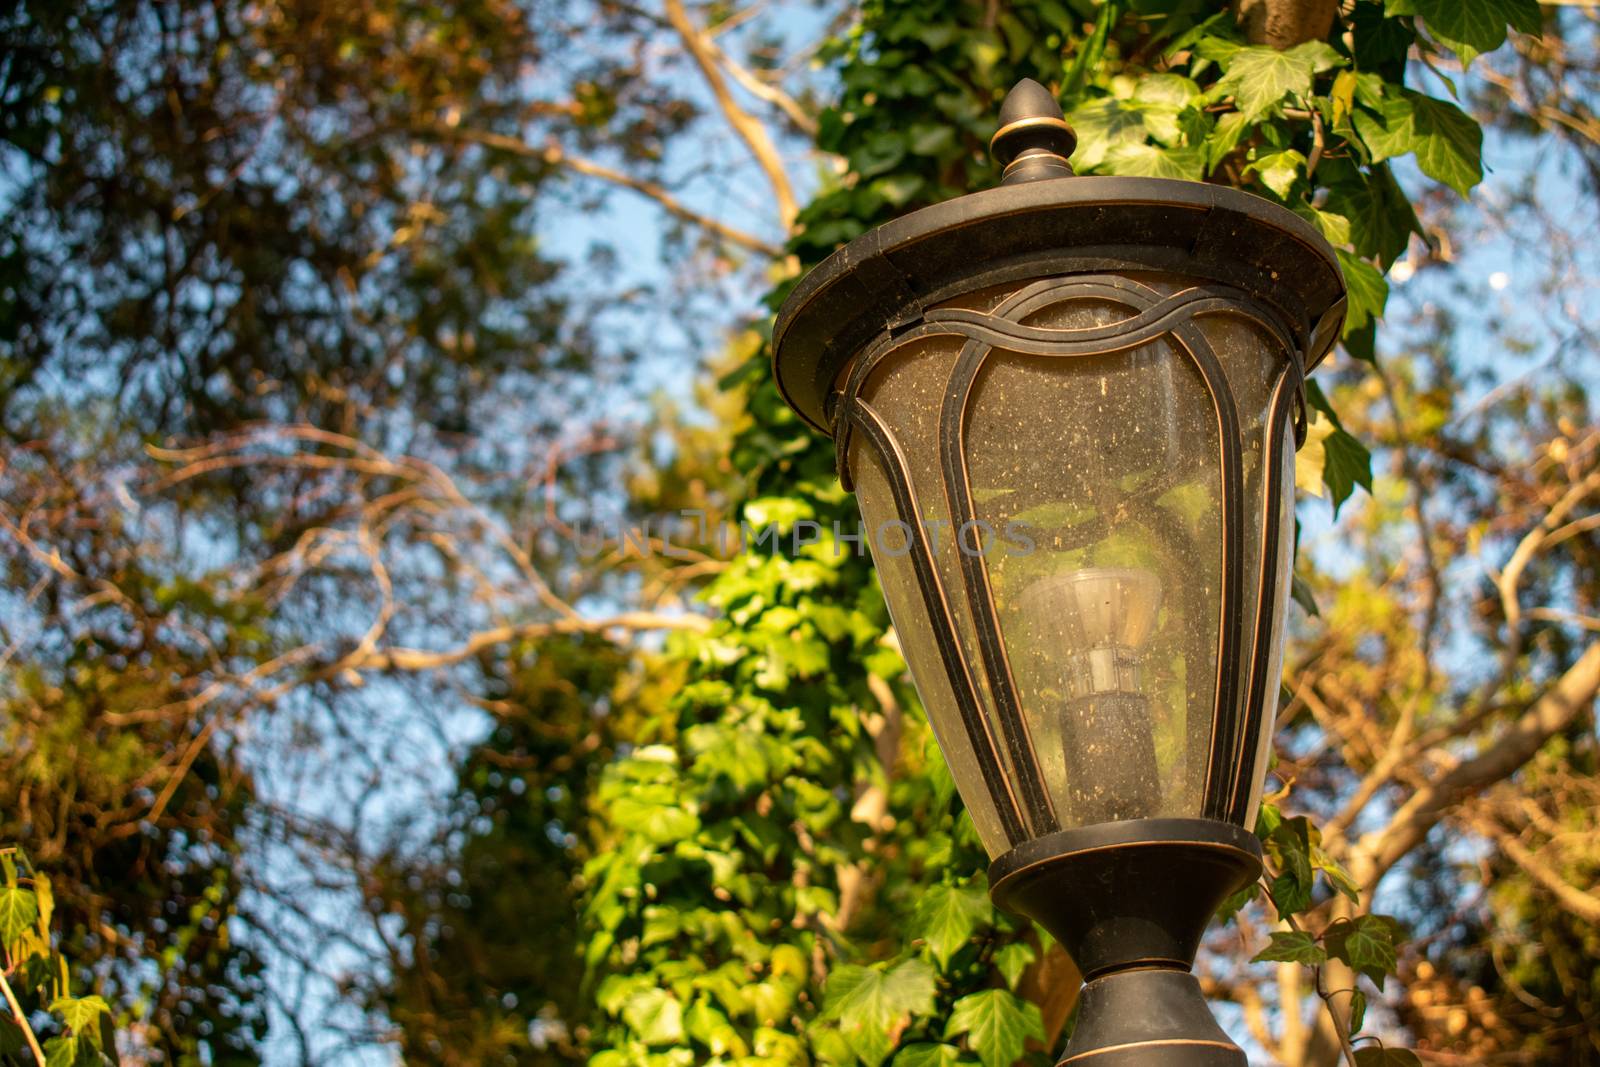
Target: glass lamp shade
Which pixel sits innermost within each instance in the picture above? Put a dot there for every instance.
(1074, 461)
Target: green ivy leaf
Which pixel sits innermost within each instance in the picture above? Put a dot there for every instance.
(1231, 906)
(1292, 946)
(1362, 343)
(1279, 171)
(1290, 895)
(1166, 90)
(1163, 101)
(1219, 50)
(1347, 464)
(1225, 137)
(1289, 845)
(870, 1002)
(712, 1029)
(924, 1054)
(1150, 161)
(1301, 592)
(1103, 125)
(19, 910)
(660, 822)
(778, 512)
(655, 1016)
(883, 153)
(736, 754)
(932, 139)
(1342, 97)
(1259, 77)
(946, 917)
(1358, 1010)
(1336, 875)
(1447, 143)
(1368, 292)
(1381, 44)
(1366, 943)
(998, 1025)
(71, 1052)
(12, 1039)
(897, 188)
(1380, 215)
(61, 1052)
(1471, 27)
(44, 895)
(1332, 226)
(1011, 960)
(81, 1014)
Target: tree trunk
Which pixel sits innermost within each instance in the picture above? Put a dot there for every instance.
(1285, 23)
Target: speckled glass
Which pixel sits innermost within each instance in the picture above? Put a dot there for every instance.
(1092, 516)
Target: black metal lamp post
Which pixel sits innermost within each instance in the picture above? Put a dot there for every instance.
(1068, 407)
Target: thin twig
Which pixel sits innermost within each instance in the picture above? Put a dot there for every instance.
(555, 156)
(749, 129)
(22, 1020)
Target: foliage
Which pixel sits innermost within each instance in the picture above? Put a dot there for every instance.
(240, 218)
(471, 993)
(79, 1031)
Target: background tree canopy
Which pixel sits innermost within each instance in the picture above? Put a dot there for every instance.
(379, 386)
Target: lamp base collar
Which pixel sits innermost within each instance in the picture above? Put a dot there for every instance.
(1148, 1018)
(1137, 893)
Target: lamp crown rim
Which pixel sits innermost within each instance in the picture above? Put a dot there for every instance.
(888, 276)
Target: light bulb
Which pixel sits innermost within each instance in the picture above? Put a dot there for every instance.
(1105, 616)
(1090, 628)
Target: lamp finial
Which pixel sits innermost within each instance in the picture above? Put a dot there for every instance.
(1034, 140)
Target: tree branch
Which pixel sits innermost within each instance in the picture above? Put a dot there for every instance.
(1585, 905)
(764, 91)
(21, 1019)
(1562, 703)
(555, 156)
(749, 129)
(1285, 23)
(417, 659)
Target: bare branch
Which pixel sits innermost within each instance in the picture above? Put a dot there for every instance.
(750, 130)
(1573, 693)
(555, 156)
(416, 659)
(1584, 905)
(763, 90)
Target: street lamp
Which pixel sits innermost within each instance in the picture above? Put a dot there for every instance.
(1068, 408)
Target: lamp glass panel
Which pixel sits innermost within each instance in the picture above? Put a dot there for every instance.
(891, 548)
(1095, 501)
(1282, 576)
(1108, 466)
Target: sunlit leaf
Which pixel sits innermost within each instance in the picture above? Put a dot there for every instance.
(19, 910)
(1448, 144)
(946, 917)
(1291, 946)
(1259, 78)
(997, 1025)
